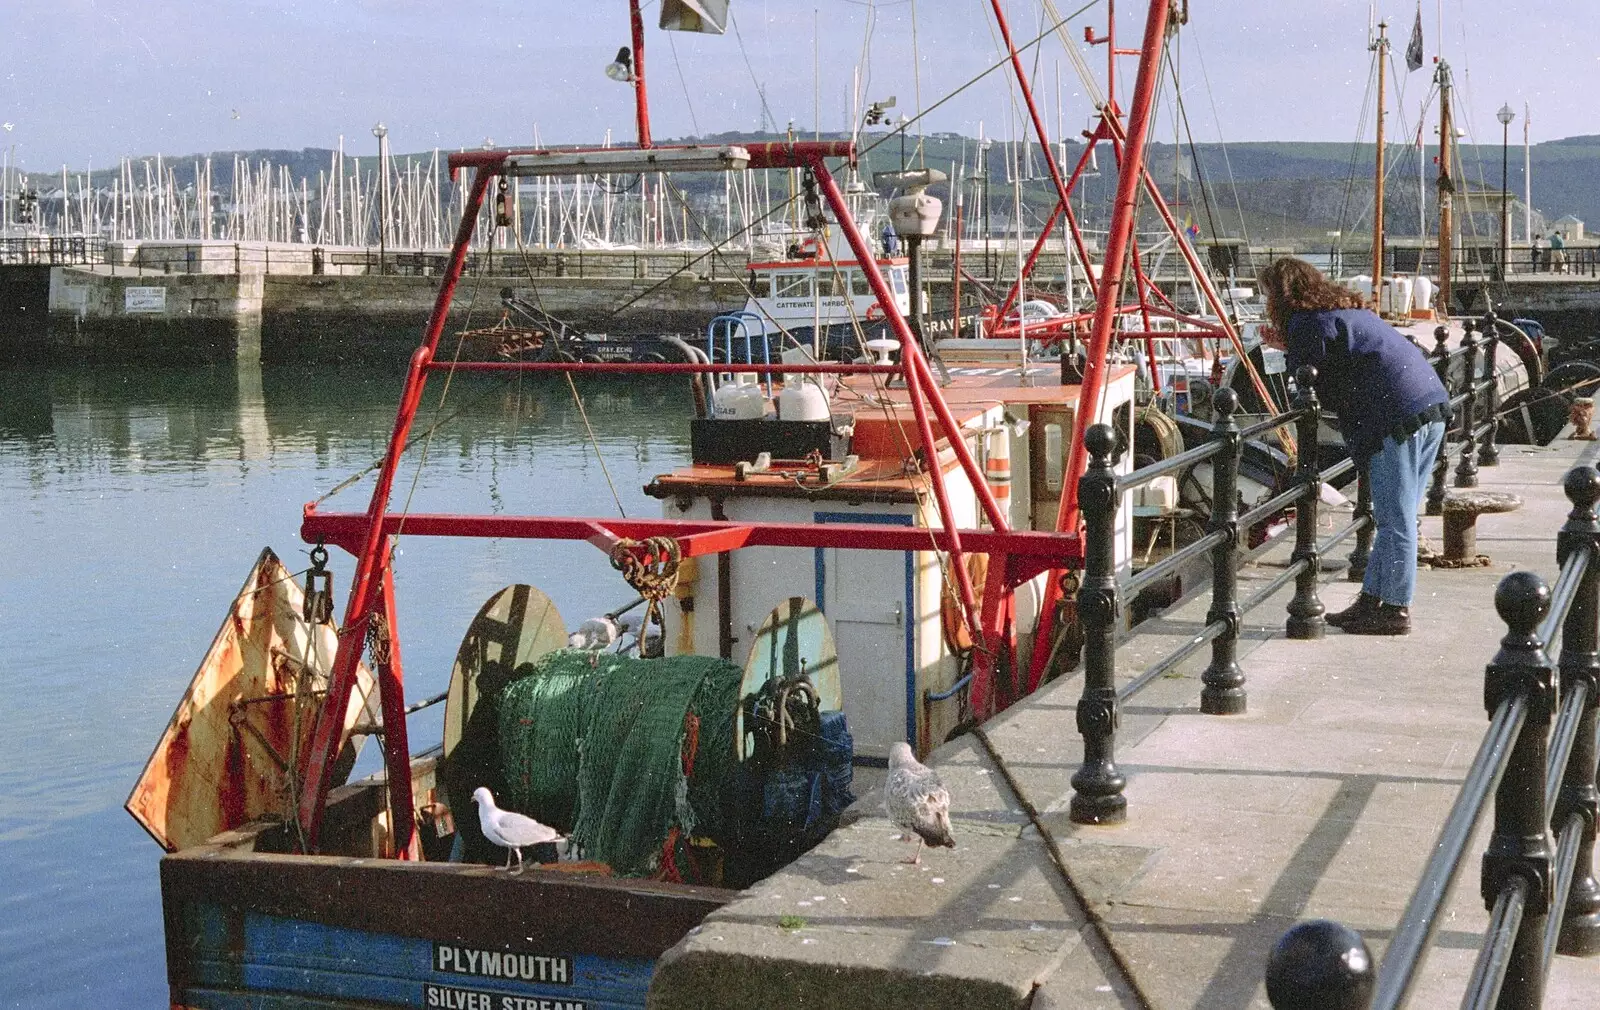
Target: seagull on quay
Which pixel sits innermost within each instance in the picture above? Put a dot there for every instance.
(916, 800)
(509, 829)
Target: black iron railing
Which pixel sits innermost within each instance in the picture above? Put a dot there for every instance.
(1538, 756)
(1098, 784)
(1469, 374)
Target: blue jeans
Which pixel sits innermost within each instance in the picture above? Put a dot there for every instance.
(1399, 472)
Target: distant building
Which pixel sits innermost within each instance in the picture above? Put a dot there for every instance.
(1569, 228)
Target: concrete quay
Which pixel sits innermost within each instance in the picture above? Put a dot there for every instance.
(1323, 801)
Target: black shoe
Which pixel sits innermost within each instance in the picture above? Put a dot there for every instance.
(1388, 619)
(1365, 604)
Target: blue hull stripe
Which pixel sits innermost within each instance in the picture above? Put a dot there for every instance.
(347, 967)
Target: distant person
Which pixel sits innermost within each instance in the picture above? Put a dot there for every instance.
(1391, 409)
(1558, 253)
(1537, 250)
(891, 241)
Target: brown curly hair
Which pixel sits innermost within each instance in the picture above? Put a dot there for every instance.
(1293, 285)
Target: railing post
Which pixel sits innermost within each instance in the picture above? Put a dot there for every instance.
(1467, 469)
(1489, 451)
(1223, 693)
(1362, 551)
(1441, 462)
(1520, 844)
(1097, 784)
(1580, 663)
(1305, 609)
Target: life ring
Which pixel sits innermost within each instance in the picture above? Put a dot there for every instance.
(875, 313)
(956, 633)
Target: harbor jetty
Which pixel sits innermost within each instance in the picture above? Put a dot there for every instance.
(68, 300)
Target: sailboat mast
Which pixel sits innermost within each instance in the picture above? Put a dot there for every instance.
(1447, 188)
(1381, 46)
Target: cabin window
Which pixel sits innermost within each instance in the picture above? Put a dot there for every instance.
(898, 276)
(858, 283)
(1052, 458)
(829, 283)
(791, 286)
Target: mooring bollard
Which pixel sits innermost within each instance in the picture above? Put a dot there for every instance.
(1097, 784)
(1519, 847)
(1467, 469)
(1305, 608)
(1580, 664)
(1488, 451)
(1441, 461)
(1223, 693)
(1363, 514)
(1320, 965)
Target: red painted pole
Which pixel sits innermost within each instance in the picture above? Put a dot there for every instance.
(325, 739)
(641, 103)
(1107, 297)
(1062, 189)
(1118, 240)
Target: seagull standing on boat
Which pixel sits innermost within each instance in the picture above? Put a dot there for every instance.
(916, 800)
(509, 829)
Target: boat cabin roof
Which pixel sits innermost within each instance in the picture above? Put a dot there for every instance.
(885, 433)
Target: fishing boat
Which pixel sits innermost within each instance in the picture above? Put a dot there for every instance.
(857, 554)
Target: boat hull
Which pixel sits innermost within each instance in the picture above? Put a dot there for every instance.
(261, 930)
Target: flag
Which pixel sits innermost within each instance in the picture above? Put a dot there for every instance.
(1190, 228)
(1414, 47)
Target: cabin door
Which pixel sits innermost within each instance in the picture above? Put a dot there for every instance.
(1049, 437)
(868, 597)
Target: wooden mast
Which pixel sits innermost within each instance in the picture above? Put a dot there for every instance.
(1447, 190)
(1381, 46)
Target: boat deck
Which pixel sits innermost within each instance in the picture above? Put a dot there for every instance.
(1322, 802)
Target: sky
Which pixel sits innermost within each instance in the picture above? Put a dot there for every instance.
(84, 82)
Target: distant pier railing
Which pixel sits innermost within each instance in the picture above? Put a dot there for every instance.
(1538, 760)
(53, 251)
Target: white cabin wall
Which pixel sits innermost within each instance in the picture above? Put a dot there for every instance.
(863, 599)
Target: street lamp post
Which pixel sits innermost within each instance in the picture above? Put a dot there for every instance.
(1505, 115)
(382, 133)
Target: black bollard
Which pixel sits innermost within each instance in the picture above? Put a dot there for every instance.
(1223, 693)
(1488, 451)
(1097, 784)
(1441, 462)
(1305, 609)
(1519, 846)
(1467, 469)
(1363, 548)
(1320, 965)
(1580, 663)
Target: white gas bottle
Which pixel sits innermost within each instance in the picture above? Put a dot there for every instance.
(1361, 284)
(1422, 291)
(1397, 295)
(802, 400)
(739, 400)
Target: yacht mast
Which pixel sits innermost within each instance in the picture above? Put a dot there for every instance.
(1447, 189)
(1381, 47)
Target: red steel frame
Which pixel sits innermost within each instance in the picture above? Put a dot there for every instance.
(1015, 556)
(1128, 146)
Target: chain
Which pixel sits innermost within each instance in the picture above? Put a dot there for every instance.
(317, 607)
(378, 639)
(650, 566)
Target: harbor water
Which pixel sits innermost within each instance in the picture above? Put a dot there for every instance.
(136, 501)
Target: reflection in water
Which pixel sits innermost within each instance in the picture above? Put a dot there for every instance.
(136, 501)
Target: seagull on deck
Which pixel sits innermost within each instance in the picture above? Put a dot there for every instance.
(509, 829)
(916, 800)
